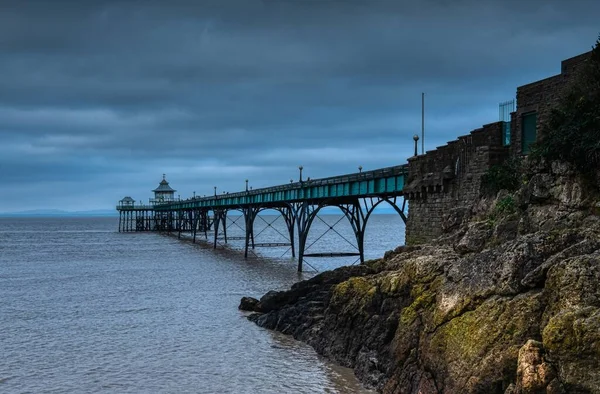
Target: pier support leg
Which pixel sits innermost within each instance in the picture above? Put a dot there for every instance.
(195, 221)
(179, 223)
(357, 220)
(305, 214)
(216, 221)
(205, 223)
(220, 219)
(224, 219)
(249, 216)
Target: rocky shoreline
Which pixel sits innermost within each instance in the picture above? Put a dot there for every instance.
(504, 302)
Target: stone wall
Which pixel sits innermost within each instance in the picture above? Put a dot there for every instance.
(447, 178)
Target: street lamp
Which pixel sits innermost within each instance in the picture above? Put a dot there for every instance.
(194, 195)
(359, 168)
(300, 168)
(246, 185)
(215, 191)
(416, 138)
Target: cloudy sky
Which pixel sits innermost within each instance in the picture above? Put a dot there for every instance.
(99, 98)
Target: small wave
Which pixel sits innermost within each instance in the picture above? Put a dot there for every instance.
(133, 310)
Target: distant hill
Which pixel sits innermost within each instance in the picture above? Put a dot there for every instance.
(59, 213)
(113, 213)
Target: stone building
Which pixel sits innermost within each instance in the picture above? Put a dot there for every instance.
(444, 183)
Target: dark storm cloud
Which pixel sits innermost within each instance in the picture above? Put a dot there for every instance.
(99, 98)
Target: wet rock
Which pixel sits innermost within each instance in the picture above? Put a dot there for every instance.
(249, 304)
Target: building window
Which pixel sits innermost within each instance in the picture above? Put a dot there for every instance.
(529, 133)
(505, 133)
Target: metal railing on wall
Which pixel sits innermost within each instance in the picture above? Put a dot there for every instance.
(504, 110)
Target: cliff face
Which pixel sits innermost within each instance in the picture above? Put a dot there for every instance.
(507, 301)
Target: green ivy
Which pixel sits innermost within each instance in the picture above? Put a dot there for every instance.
(572, 132)
(504, 207)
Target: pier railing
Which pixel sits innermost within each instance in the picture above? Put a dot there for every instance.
(383, 181)
(133, 207)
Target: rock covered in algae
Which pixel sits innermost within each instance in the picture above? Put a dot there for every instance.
(513, 309)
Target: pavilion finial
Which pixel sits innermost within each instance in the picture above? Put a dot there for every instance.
(164, 177)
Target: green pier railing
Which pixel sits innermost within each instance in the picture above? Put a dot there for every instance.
(381, 182)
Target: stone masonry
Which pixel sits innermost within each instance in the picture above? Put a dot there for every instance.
(448, 179)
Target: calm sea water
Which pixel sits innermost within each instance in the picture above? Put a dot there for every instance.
(85, 309)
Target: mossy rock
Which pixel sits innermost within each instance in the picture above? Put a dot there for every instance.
(355, 293)
(572, 340)
(423, 296)
(478, 350)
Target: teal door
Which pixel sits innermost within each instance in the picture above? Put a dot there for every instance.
(529, 131)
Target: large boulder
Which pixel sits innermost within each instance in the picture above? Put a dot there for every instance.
(249, 304)
(534, 373)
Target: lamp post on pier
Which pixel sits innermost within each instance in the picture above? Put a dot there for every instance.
(246, 185)
(194, 195)
(359, 168)
(300, 168)
(215, 191)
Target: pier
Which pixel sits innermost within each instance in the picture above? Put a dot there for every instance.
(299, 203)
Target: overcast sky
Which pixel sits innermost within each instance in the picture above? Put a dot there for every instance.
(99, 98)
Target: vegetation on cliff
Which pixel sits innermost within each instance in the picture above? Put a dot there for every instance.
(572, 133)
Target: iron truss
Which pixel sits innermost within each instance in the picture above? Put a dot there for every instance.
(299, 218)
